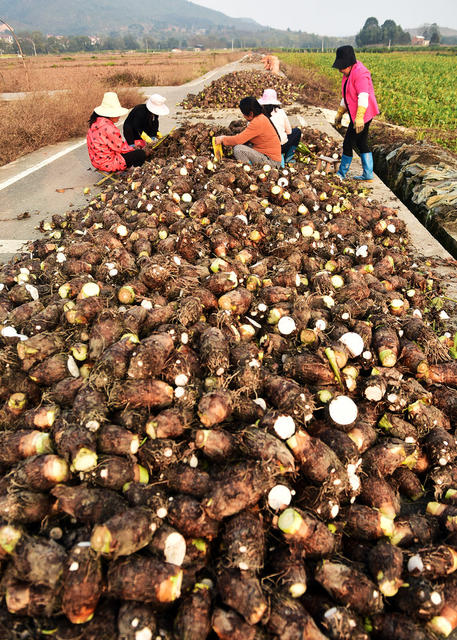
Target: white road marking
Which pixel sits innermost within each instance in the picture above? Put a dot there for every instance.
(40, 165)
(203, 79)
(11, 246)
(209, 75)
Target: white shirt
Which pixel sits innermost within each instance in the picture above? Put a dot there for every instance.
(282, 124)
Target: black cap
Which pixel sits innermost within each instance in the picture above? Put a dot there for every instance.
(345, 57)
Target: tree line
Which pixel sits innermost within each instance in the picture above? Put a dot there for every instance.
(389, 33)
(35, 42)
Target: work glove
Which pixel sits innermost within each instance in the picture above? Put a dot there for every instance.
(145, 137)
(359, 122)
(339, 114)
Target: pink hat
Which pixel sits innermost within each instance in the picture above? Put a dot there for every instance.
(269, 97)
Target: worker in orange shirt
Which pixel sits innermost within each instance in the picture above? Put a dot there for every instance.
(264, 143)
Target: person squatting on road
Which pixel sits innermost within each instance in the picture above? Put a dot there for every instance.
(358, 99)
(289, 137)
(260, 133)
(107, 149)
(142, 123)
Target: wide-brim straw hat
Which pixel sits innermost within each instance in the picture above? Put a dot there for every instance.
(110, 106)
(269, 96)
(156, 104)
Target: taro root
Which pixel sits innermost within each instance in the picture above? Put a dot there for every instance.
(82, 584)
(242, 591)
(87, 504)
(228, 625)
(350, 587)
(37, 560)
(193, 618)
(289, 620)
(226, 372)
(306, 535)
(134, 619)
(386, 566)
(242, 542)
(237, 488)
(124, 533)
(144, 579)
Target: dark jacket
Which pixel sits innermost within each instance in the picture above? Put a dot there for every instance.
(140, 119)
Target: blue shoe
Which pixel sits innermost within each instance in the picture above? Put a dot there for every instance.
(289, 155)
(367, 164)
(344, 166)
(283, 163)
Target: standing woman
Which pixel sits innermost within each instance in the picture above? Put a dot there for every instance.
(289, 137)
(360, 102)
(107, 150)
(142, 123)
(260, 133)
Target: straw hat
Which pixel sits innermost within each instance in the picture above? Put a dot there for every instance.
(110, 106)
(269, 97)
(156, 104)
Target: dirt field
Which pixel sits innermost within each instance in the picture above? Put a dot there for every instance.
(46, 73)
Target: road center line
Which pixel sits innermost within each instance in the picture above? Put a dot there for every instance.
(40, 165)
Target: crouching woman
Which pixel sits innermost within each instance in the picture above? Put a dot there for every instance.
(259, 143)
(107, 149)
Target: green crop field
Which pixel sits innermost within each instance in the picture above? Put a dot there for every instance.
(413, 89)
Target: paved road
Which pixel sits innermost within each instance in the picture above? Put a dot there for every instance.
(30, 184)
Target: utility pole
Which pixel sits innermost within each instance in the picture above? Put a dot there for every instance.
(232, 44)
(322, 45)
(20, 51)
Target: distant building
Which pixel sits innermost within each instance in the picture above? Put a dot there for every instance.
(420, 41)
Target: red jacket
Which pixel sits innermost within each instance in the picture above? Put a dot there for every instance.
(359, 81)
(105, 145)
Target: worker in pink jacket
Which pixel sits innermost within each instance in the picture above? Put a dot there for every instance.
(359, 101)
(107, 150)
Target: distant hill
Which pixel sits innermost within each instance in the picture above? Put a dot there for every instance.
(163, 23)
(88, 17)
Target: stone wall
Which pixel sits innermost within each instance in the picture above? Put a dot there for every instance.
(424, 177)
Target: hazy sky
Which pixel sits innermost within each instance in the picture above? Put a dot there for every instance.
(338, 17)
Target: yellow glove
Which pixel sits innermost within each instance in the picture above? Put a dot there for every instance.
(358, 122)
(146, 138)
(159, 135)
(339, 114)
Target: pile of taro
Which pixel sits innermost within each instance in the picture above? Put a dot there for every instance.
(228, 403)
(227, 91)
(196, 140)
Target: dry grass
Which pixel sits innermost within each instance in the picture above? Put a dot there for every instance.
(317, 90)
(41, 119)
